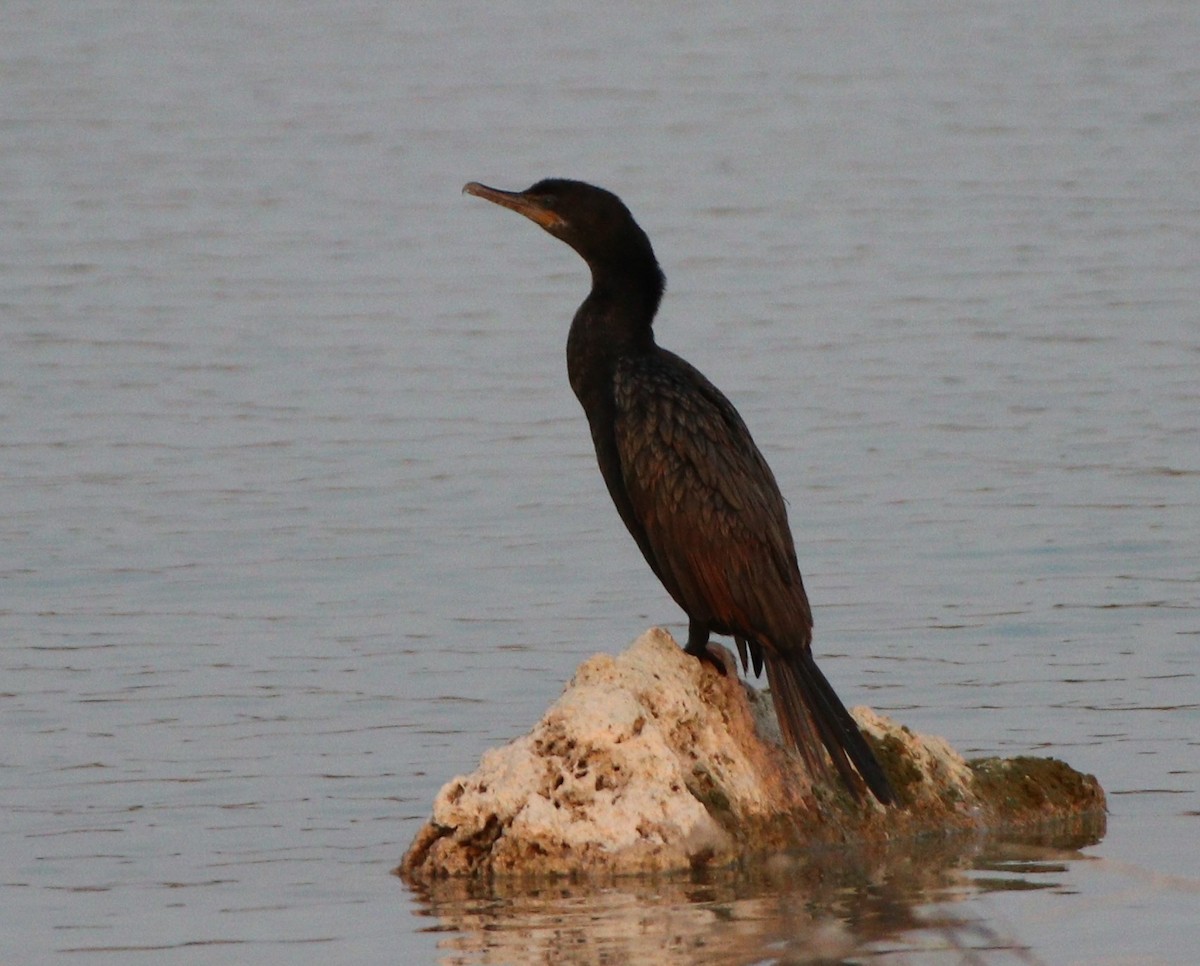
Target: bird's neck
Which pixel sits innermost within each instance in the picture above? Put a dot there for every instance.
(615, 321)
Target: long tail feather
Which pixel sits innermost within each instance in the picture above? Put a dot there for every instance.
(809, 709)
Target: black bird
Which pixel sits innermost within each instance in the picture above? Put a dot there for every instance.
(687, 478)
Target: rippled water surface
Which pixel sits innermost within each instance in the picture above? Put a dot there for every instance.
(300, 516)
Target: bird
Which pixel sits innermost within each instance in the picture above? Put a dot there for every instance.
(688, 480)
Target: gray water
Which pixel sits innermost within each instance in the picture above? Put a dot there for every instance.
(300, 516)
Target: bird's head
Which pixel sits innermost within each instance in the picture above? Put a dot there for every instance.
(593, 221)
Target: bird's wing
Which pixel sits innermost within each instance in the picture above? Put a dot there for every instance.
(707, 501)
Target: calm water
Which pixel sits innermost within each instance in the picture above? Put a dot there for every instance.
(300, 516)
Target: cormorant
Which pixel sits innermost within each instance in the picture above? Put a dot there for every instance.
(686, 477)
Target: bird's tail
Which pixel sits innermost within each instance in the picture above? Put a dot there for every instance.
(809, 712)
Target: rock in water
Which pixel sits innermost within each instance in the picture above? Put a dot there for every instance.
(651, 761)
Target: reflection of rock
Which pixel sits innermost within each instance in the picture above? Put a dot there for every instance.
(825, 905)
(652, 762)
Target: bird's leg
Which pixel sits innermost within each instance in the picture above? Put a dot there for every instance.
(697, 645)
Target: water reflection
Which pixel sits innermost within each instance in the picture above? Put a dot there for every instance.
(826, 907)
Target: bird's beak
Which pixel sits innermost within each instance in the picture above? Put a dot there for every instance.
(518, 201)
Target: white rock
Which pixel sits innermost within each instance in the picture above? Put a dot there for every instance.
(652, 761)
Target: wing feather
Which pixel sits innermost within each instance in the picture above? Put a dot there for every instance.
(707, 501)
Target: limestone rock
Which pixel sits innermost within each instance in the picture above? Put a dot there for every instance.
(651, 761)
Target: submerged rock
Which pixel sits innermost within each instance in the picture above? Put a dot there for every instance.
(652, 762)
